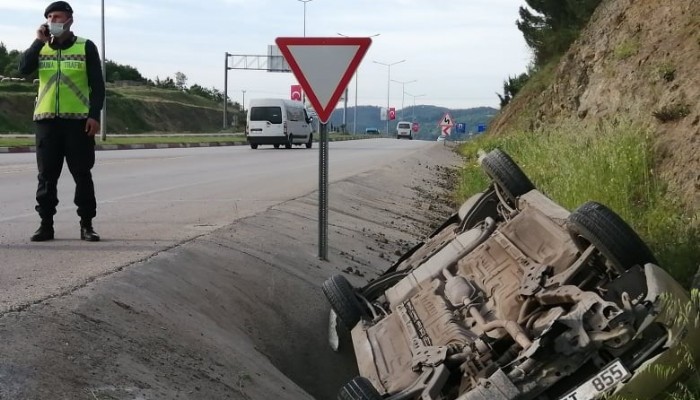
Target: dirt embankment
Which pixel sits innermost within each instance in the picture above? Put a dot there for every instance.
(235, 314)
(637, 60)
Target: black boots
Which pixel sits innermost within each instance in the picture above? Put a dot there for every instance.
(44, 233)
(87, 233)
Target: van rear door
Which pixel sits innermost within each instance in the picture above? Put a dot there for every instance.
(266, 121)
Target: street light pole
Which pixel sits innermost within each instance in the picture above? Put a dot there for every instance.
(414, 103)
(403, 91)
(304, 1)
(388, 87)
(226, 68)
(303, 93)
(103, 117)
(354, 116)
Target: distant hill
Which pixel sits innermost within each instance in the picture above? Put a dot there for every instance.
(427, 116)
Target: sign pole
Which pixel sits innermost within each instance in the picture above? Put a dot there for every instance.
(323, 67)
(323, 193)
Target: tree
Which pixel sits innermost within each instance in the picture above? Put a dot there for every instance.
(511, 87)
(118, 72)
(180, 80)
(166, 83)
(550, 26)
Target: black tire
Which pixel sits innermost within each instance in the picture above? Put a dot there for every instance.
(485, 206)
(310, 143)
(506, 174)
(342, 299)
(288, 145)
(594, 223)
(359, 388)
(276, 146)
(253, 146)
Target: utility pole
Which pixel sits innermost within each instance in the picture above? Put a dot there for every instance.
(403, 91)
(388, 87)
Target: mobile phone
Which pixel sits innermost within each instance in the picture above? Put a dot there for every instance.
(45, 29)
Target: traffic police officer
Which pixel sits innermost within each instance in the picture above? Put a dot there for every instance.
(67, 116)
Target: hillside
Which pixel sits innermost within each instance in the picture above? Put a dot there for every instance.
(139, 109)
(130, 109)
(636, 61)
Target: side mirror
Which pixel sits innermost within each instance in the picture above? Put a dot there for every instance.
(309, 120)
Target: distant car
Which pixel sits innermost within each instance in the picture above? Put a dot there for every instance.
(515, 297)
(372, 131)
(441, 138)
(403, 130)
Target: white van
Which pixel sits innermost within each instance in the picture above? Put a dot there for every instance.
(278, 122)
(403, 129)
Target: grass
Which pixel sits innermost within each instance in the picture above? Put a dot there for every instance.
(614, 165)
(626, 49)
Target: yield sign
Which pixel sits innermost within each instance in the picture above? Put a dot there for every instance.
(323, 66)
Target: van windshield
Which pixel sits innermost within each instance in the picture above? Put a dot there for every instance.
(405, 126)
(272, 114)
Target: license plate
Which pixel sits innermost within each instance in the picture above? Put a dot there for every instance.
(602, 382)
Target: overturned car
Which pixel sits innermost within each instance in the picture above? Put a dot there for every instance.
(515, 297)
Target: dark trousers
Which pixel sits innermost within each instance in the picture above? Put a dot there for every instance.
(56, 140)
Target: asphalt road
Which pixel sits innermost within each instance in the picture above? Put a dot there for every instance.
(150, 201)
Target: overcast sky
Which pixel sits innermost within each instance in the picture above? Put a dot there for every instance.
(457, 51)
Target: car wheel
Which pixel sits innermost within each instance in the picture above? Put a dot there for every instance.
(276, 146)
(595, 224)
(253, 146)
(359, 388)
(477, 208)
(288, 145)
(341, 296)
(310, 143)
(506, 174)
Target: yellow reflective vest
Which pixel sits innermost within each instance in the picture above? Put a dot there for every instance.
(63, 83)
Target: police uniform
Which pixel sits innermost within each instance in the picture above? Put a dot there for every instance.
(71, 90)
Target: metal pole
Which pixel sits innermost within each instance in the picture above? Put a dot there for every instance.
(345, 111)
(354, 118)
(103, 114)
(323, 194)
(225, 89)
(305, 1)
(388, 88)
(403, 91)
(354, 113)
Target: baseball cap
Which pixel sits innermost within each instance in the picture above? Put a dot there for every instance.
(58, 6)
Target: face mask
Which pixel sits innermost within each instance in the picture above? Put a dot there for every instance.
(56, 28)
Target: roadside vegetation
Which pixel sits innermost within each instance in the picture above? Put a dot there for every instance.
(612, 164)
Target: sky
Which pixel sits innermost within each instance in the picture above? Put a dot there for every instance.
(457, 52)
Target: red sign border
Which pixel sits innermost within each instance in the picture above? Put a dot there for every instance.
(323, 111)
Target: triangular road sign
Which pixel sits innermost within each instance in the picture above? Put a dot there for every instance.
(323, 66)
(446, 120)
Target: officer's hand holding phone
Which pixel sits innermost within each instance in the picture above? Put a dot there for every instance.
(43, 33)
